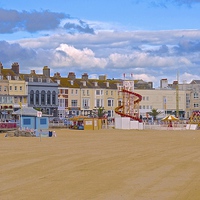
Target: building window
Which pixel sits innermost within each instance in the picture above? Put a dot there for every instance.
(196, 105)
(27, 121)
(88, 93)
(99, 103)
(61, 103)
(187, 100)
(10, 87)
(85, 103)
(97, 92)
(0, 88)
(5, 88)
(31, 97)
(83, 91)
(119, 102)
(20, 88)
(43, 97)
(110, 113)
(48, 97)
(37, 97)
(76, 92)
(147, 98)
(196, 95)
(106, 92)
(53, 97)
(15, 100)
(15, 88)
(74, 103)
(43, 121)
(111, 92)
(110, 102)
(143, 98)
(72, 91)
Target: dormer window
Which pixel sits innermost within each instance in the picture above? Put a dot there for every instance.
(40, 80)
(72, 82)
(48, 80)
(58, 81)
(95, 84)
(16, 77)
(84, 83)
(9, 77)
(30, 79)
(1, 77)
(107, 84)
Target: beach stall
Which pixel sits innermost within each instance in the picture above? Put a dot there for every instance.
(85, 123)
(170, 119)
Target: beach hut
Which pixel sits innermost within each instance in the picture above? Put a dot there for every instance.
(32, 119)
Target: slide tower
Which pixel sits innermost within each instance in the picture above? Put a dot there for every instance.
(130, 102)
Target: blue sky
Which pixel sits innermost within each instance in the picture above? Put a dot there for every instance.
(151, 39)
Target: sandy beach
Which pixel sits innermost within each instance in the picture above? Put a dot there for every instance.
(101, 165)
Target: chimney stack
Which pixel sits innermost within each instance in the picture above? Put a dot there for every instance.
(46, 71)
(85, 76)
(15, 67)
(71, 75)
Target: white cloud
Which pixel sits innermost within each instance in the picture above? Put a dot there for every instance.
(66, 55)
(187, 77)
(154, 53)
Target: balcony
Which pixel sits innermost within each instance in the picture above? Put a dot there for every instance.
(86, 107)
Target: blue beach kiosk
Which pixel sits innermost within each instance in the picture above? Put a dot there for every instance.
(33, 119)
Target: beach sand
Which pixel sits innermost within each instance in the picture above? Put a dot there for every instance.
(101, 165)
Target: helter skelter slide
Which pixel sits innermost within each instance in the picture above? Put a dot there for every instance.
(130, 102)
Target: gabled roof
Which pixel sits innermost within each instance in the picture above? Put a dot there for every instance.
(89, 83)
(27, 111)
(8, 72)
(195, 82)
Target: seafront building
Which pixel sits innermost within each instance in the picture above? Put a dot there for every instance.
(68, 96)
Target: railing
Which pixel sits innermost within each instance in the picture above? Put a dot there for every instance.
(165, 126)
(56, 124)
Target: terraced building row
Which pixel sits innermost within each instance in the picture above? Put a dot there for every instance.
(62, 97)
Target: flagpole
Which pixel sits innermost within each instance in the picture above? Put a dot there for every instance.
(20, 103)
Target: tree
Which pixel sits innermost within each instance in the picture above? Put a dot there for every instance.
(154, 112)
(101, 112)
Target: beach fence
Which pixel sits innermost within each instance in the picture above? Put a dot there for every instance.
(165, 126)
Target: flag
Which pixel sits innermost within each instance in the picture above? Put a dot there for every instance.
(165, 102)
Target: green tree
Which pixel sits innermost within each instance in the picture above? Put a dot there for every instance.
(154, 112)
(101, 112)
